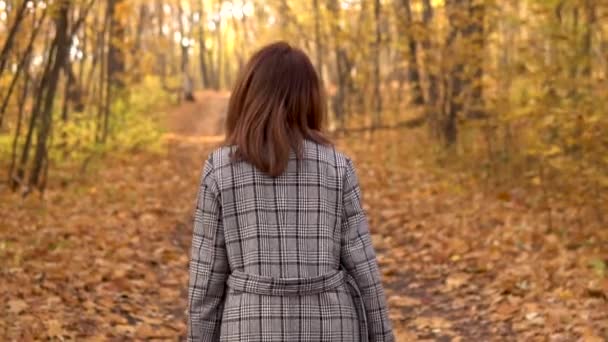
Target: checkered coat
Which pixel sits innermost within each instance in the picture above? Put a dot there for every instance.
(271, 255)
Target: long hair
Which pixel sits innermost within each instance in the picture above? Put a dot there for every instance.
(276, 103)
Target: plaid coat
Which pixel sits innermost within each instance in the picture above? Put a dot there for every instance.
(285, 258)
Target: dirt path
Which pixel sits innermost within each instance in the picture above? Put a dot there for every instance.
(195, 129)
(203, 118)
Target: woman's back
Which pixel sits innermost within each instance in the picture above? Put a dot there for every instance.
(286, 226)
(281, 249)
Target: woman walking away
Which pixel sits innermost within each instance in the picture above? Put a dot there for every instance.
(281, 248)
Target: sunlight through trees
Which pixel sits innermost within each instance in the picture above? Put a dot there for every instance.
(515, 86)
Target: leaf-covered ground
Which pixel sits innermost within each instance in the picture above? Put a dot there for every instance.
(105, 257)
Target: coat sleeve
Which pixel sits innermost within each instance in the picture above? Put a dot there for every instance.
(359, 259)
(208, 263)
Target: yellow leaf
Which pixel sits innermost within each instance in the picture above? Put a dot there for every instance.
(553, 151)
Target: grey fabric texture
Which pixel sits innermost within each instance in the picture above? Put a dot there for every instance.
(293, 231)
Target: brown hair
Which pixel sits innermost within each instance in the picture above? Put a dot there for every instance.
(276, 103)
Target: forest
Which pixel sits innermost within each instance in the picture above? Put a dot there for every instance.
(479, 128)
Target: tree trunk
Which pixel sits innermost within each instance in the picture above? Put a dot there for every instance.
(13, 182)
(464, 45)
(412, 64)
(318, 44)
(24, 62)
(453, 89)
(103, 81)
(430, 61)
(591, 17)
(219, 40)
(61, 44)
(96, 55)
(115, 63)
(431, 70)
(82, 62)
(10, 39)
(142, 22)
(202, 48)
(66, 96)
(377, 120)
(187, 86)
(162, 56)
(341, 77)
(116, 59)
(475, 33)
(38, 98)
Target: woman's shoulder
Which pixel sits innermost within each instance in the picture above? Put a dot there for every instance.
(326, 153)
(220, 156)
(215, 164)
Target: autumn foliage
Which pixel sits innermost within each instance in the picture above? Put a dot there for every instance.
(478, 126)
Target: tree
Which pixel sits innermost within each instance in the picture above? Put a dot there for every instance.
(10, 39)
(406, 28)
(377, 47)
(318, 43)
(202, 54)
(187, 84)
(49, 83)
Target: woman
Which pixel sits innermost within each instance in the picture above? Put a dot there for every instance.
(281, 248)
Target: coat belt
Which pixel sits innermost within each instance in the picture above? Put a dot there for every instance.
(269, 286)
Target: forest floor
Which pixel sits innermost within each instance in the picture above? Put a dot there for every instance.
(105, 257)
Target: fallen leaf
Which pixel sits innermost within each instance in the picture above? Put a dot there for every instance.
(403, 301)
(432, 323)
(457, 280)
(54, 328)
(17, 306)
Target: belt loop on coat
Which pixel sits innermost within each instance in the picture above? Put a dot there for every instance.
(269, 286)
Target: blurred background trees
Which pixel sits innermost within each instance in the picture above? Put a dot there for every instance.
(511, 91)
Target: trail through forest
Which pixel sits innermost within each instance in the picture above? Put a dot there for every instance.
(108, 260)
